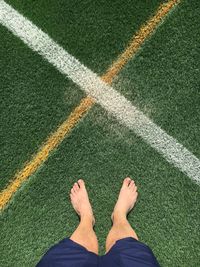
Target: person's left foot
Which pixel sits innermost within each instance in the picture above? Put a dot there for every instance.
(80, 201)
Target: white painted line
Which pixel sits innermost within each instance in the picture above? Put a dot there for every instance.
(104, 94)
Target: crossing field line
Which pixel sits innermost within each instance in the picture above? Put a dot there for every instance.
(97, 89)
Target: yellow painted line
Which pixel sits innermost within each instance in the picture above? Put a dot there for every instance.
(53, 141)
(86, 103)
(138, 39)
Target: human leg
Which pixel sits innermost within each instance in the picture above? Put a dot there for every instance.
(84, 233)
(81, 248)
(121, 228)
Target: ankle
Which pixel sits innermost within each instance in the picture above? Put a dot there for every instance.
(87, 219)
(119, 217)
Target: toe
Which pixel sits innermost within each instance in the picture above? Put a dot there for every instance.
(72, 198)
(81, 183)
(126, 181)
(134, 189)
(76, 187)
(132, 184)
(73, 191)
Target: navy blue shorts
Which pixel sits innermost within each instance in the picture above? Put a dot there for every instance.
(126, 252)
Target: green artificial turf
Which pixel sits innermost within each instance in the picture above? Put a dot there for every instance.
(93, 31)
(162, 80)
(35, 100)
(102, 152)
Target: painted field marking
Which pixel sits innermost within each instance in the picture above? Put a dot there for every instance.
(102, 93)
(56, 138)
(138, 39)
(52, 142)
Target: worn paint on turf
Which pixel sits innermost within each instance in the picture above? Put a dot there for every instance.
(67, 64)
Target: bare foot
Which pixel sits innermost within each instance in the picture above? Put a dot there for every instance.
(80, 201)
(126, 199)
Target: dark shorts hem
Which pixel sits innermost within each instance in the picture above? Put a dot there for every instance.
(126, 252)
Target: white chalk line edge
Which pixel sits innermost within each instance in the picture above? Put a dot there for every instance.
(105, 95)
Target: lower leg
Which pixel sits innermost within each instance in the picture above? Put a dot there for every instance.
(84, 233)
(121, 227)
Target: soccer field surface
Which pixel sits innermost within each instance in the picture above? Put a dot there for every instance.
(99, 90)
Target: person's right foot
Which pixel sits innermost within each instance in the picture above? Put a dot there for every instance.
(126, 199)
